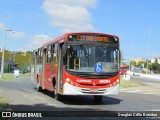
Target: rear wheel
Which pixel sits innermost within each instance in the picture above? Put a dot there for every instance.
(98, 98)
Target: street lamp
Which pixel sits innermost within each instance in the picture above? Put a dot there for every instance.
(149, 35)
(2, 62)
(130, 56)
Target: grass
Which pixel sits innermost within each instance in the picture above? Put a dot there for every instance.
(127, 84)
(4, 106)
(10, 76)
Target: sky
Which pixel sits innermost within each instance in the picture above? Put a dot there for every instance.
(135, 22)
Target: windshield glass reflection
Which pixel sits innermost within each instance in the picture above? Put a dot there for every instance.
(89, 58)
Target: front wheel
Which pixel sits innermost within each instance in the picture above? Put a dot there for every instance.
(98, 98)
(57, 95)
(39, 89)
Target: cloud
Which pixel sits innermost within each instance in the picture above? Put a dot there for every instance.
(70, 15)
(2, 26)
(38, 40)
(18, 35)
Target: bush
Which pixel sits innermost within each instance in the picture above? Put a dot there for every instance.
(144, 71)
(155, 67)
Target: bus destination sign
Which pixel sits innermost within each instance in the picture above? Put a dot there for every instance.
(105, 39)
(93, 38)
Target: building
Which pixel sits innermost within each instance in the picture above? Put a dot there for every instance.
(137, 60)
(0, 49)
(18, 59)
(158, 60)
(154, 60)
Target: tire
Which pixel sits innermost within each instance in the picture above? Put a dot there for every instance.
(98, 98)
(57, 96)
(39, 88)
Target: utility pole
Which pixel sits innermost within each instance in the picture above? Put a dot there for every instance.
(130, 57)
(149, 35)
(3, 52)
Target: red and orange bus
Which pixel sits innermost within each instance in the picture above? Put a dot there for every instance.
(123, 69)
(81, 63)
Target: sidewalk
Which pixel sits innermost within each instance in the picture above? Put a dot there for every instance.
(155, 76)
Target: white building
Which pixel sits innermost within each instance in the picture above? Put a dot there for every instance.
(0, 49)
(155, 59)
(158, 60)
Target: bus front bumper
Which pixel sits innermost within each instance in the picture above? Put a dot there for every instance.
(73, 90)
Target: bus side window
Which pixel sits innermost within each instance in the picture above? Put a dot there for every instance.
(39, 56)
(49, 54)
(55, 52)
(52, 54)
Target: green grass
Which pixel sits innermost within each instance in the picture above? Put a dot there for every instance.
(4, 106)
(10, 76)
(127, 84)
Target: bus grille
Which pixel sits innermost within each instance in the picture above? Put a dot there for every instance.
(93, 85)
(100, 91)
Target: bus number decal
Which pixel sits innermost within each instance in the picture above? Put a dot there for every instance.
(104, 81)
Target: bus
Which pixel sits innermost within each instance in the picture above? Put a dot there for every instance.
(123, 69)
(78, 63)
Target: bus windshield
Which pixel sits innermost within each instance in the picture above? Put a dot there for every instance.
(89, 58)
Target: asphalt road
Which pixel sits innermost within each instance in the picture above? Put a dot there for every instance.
(22, 96)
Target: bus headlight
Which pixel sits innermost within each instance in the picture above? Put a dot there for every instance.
(117, 80)
(114, 83)
(76, 84)
(67, 79)
(71, 82)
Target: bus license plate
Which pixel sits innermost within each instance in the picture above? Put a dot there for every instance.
(93, 90)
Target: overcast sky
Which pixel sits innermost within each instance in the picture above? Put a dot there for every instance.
(37, 21)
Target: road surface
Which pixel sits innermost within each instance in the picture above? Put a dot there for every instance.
(22, 96)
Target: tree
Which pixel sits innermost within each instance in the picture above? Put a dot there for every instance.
(141, 64)
(155, 67)
(133, 63)
(159, 68)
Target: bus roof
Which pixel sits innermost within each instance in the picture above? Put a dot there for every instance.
(65, 36)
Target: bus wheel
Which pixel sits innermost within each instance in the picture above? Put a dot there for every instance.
(39, 89)
(98, 98)
(56, 95)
